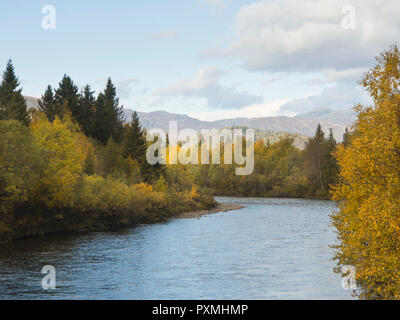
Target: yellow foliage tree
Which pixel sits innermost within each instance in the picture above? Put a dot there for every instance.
(65, 155)
(368, 220)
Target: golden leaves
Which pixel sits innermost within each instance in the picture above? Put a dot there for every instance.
(368, 221)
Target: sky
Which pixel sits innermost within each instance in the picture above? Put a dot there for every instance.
(210, 59)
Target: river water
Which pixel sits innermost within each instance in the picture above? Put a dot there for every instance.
(271, 249)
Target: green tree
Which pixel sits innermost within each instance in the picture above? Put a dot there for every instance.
(109, 116)
(48, 105)
(330, 166)
(314, 156)
(67, 94)
(87, 109)
(113, 161)
(135, 145)
(21, 163)
(12, 103)
(346, 137)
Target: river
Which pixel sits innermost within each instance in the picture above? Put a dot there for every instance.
(271, 249)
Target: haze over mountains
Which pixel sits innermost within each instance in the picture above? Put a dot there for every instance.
(302, 124)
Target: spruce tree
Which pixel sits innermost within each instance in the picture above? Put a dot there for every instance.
(87, 108)
(109, 118)
(12, 103)
(330, 165)
(159, 169)
(47, 104)
(135, 146)
(67, 95)
(346, 137)
(314, 156)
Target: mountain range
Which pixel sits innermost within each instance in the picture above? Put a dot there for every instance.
(303, 124)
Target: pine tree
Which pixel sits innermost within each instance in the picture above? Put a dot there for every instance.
(135, 146)
(12, 103)
(330, 166)
(346, 137)
(158, 169)
(109, 116)
(67, 95)
(314, 155)
(10, 80)
(47, 104)
(87, 108)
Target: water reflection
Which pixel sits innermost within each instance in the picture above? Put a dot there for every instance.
(272, 249)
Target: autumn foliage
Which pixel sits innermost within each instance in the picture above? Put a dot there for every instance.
(54, 178)
(368, 220)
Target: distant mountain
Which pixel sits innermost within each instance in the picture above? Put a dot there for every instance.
(305, 127)
(345, 117)
(32, 102)
(302, 125)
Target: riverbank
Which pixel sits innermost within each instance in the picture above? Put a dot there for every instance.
(274, 196)
(221, 207)
(137, 207)
(100, 226)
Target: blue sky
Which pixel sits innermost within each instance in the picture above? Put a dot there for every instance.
(210, 59)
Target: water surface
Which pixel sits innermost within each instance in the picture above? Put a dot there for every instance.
(271, 249)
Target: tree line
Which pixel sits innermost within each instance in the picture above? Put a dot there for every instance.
(280, 170)
(75, 164)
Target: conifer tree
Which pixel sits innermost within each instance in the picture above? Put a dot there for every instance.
(47, 104)
(135, 143)
(346, 137)
(135, 146)
(314, 154)
(109, 117)
(330, 166)
(67, 95)
(67, 91)
(12, 103)
(87, 108)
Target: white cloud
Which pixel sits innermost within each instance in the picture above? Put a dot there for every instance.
(164, 35)
(267, 109)
(338, 97)
(352, 74)
(206, 84)
(307, 35)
